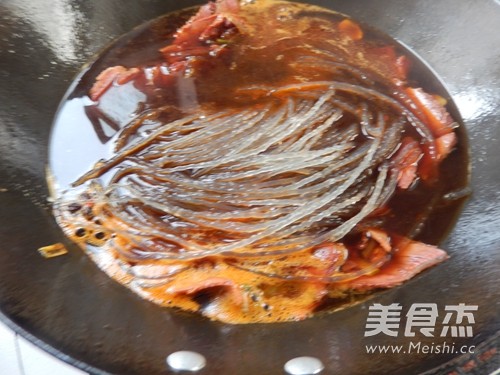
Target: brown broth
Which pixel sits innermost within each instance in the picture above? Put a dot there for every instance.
(84, 133)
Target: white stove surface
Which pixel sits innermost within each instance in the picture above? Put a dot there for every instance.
(20, 357)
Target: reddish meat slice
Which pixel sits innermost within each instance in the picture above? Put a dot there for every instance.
(433, 154)
(215, 29)
(431, 111)
(211, 21)
(406, 161)
(189, 33)
(445, 144)
(205, 27)
(437, 118)
(409, 260)
(195, 39)
(107, 77)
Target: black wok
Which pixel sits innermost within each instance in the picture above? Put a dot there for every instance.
(71, 309)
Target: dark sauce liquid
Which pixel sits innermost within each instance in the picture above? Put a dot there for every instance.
(84, 132)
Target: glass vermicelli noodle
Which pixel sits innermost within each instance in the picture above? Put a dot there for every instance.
(265, 191)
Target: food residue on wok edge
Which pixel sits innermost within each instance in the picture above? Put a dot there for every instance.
(52, 251)
(269, 169)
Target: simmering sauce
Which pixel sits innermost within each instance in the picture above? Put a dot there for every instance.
(261, 163)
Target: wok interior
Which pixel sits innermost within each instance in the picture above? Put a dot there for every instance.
(37, 300)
